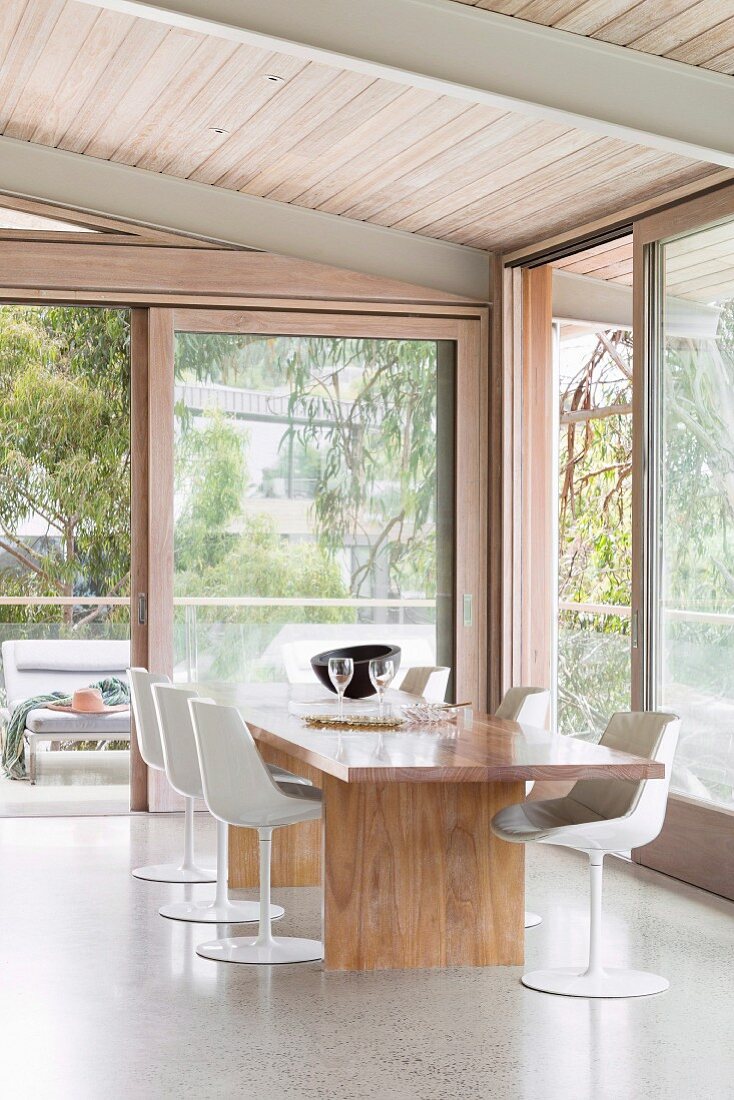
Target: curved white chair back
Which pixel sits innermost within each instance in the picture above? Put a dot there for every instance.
(428, 681)
(527, 705)
(146, 721)
(639, 804)
(237, 785)
(177, 737)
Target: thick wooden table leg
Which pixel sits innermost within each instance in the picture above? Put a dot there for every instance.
(296, 852)
(414, 877)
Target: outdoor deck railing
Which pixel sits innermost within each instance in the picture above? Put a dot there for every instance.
(192, 604)
(711, 617)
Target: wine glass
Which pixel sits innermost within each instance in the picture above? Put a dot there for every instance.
(341, 670)
(382, 671)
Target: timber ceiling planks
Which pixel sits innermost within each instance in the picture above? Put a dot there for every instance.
(696, 32)
(699, 267)
(124, 89)
(611, 262)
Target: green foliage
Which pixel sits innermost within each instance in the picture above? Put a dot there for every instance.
(254, 362)
(260, 563)
(370, 408)
(211, 474)
(363, 429)
(65, 449)
(595, 538)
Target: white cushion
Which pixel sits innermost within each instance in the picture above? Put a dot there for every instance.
(59, 666)
(98, 726)
(73, 656)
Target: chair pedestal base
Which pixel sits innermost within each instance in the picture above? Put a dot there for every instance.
(169, 872)
(229, 912)
(532, 920)
(246, 949)
(576, 982)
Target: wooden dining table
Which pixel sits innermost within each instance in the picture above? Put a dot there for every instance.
(412, 874)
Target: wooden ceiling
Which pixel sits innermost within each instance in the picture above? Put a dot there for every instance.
(611, 262)
(696, 32)
(699, 267)
(124, 89)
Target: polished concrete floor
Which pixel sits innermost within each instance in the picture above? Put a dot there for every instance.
(78, 781)
(100, 998)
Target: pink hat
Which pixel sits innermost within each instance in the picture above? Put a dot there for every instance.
(87, 701)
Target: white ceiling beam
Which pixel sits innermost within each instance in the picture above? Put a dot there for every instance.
(601, 305)
(482, 57)
(596, 302)
(163, 202)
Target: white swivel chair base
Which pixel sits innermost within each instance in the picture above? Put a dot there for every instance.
(222, 912)
(169, 872)
(254, 951)
(187, 870)
(532, 920)
(576, 982)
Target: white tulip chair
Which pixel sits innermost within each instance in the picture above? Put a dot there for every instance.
(149, 742)
(184, 775)
(526, 705)
(529, 707)
(239, 790)
(598, 816)
(428, 681)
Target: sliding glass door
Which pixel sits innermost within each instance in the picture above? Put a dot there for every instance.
(693, 628)
(685, 552)
(314, 501)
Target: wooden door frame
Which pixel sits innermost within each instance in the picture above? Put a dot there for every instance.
(470, 335)
(695, 844)
(523, 498)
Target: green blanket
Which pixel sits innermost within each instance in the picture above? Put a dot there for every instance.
(114, 692)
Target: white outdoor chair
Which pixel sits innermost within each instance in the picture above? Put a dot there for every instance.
(182, 769)
(529, 707)
(430, 682)
(149, 742)
(240, 790)
(599, 816)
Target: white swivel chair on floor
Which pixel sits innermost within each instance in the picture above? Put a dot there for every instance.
(529, 707)
(149, 742)
(599, 816)
(430, 682)
(240, 790)
(182, 769)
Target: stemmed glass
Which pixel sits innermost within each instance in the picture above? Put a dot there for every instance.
(341, 670)
(382, 671)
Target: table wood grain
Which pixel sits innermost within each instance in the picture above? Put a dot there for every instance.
(478, 749)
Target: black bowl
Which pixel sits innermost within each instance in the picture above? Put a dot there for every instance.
(360, 685)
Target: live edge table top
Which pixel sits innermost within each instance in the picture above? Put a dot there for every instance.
(478, 748)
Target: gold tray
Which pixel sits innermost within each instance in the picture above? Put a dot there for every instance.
(351, 721)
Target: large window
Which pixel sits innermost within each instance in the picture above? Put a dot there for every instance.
(313, 501)
(694, 627)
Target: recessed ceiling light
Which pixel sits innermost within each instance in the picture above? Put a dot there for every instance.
(274, 79)
(217, 130)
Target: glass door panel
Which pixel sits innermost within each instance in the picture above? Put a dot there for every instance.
(314, 501)
(65, 545)
(693, 616)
